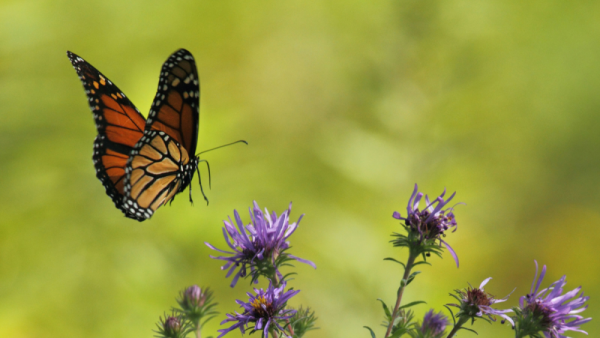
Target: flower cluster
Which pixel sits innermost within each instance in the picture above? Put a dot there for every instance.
(260, 246)
(259, 249)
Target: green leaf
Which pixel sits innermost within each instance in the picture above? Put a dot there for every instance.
(206, 320)
(421, 262)
(451, 313)
(412, 276)
(285, 277)
(412, 304)
(397, 333)
(464, 328)
(457, 298)
(388, 314)
(372, 333)
(394, 260)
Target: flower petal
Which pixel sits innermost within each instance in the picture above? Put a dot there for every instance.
(451, 251)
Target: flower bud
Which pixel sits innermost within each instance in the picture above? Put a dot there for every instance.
(193, 296)
(172, 326)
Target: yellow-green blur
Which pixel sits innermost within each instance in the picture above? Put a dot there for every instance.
(345, 105)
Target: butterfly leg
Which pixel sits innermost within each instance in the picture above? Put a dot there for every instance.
(200, 179)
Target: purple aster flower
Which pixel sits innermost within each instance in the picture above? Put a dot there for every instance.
(475, 302)
(265, 309)
(433, 220)
(264, 240)
(433, 325)
(555, 312)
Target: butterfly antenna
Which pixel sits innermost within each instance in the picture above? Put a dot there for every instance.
(225, 145)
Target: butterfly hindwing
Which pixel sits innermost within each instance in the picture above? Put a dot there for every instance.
(118, 122)
(156, 170)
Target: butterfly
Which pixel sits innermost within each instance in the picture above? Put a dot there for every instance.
(144, 163)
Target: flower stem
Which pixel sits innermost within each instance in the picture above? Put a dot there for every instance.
(457, 326)
(518, 333)
(409, 265)
(198, 335)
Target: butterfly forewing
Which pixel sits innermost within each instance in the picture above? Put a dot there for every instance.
(175, 107)
(160, 167)
(120, 126)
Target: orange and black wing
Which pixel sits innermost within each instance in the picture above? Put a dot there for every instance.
(163, 163)
(175, 107)
(120, 126)
(156, 171)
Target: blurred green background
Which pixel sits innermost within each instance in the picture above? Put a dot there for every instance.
(345, 104)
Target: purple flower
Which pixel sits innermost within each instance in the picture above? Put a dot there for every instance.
(265, 310)
(558, 312)
(434, 324)
(433, 220)
(263, 240)
(475, 302)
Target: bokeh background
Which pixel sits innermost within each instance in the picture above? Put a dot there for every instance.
(346, 105)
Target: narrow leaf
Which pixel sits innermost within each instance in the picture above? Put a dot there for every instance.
(372, 333)
(451, 313)
(412, 304)
(412, 277)
(464, 328)
(395, 260)
(388, 314)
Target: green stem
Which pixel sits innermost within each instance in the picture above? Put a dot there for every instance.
(409, 265)
(517, 331)
(198, 335)
(457, 327)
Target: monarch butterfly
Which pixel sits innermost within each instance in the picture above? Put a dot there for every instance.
(143, 163)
